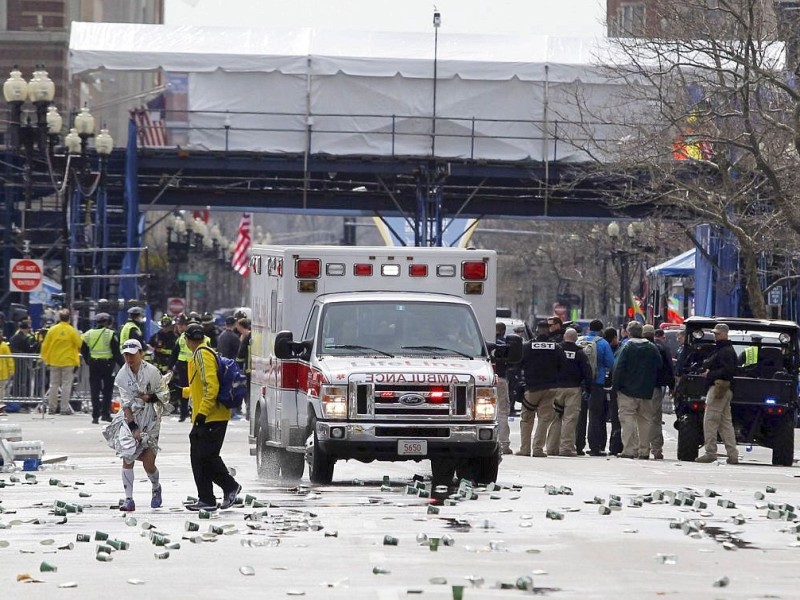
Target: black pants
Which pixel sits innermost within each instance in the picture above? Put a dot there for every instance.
(205, 444)
(101, 382)
(597, 419)
(615, 443)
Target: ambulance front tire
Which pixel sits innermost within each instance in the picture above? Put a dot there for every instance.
(292, 465)
(266, 456)
(320, 464)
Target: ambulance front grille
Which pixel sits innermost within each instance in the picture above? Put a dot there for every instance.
(410, 402)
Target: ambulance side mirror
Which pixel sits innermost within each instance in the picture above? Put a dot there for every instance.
(512, 352)
(286, 348)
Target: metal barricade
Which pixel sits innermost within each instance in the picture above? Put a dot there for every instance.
(30, 382)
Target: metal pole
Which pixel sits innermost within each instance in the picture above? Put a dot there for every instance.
(436, 22)
(623, 284)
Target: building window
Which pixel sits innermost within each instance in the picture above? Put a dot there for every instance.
(631, 20)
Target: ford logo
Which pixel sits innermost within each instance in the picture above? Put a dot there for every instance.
(411, 399)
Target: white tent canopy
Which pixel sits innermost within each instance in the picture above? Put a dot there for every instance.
(352, 93)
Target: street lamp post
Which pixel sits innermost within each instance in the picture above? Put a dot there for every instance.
(437, 21)
(39, 140)
(626, 248)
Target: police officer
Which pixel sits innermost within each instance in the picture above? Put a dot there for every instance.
(503, 405)
(24, 342)
(133, 328)
(211, 331)
(100, 350)
(542, 360)
(179, 363)
(573, 380)
(720, 369)
(162, 342)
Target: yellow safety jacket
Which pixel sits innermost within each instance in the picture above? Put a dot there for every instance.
(99, 342)
(750, 356)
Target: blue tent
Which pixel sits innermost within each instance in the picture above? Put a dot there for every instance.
(677, 266)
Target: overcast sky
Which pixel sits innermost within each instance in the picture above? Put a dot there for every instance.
(546, 17)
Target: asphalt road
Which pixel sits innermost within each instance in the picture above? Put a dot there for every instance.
(330, 539)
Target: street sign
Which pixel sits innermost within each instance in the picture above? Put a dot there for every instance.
(196, 277)
(25, 275)
(176, 306)
(775, 296)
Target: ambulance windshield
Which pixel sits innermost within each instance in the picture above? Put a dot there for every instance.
(399, 329)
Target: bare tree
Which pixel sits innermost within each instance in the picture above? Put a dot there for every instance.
(708, 125)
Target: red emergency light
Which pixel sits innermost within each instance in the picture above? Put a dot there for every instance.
(473, 270)
(362, 269)
(307, 268)
(386, 394)
(437, 397)
(417, 270)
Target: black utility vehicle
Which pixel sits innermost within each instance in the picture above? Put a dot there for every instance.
(765, 387)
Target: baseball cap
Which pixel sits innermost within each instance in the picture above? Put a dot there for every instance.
(230, 320)
(721, 328)
(102, 317)
(195, 332)
(131, 347)
(542, 325)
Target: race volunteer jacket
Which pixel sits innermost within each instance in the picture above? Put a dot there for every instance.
(62, 346)
(204, 386)
(542, 360)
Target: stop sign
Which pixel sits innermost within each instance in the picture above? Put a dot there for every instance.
(25, 275)
(176, 306)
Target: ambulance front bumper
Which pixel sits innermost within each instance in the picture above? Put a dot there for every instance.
(388, 441)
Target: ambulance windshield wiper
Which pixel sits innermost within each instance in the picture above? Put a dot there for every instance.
(356, 347)
(437, 349)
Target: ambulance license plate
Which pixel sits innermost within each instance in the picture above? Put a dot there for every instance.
(412, 447)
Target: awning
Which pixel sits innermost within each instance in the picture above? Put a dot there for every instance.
(677, 266)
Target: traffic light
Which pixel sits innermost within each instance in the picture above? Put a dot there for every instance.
(630, 312)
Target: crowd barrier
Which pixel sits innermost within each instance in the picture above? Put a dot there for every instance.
(28, 386)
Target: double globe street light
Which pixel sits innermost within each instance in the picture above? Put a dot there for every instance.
(36, 142)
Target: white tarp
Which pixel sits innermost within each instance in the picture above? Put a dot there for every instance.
(358, 93)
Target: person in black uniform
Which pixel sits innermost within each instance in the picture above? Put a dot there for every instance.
(228, 342)
(574, 380)
(163, 341)
(720, 369)
(211, 331)
(24, 342)
(243, 325)
(542, 360)
(179, 363)
(100, 350)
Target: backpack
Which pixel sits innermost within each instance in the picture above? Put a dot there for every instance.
(232, 382)
(589, 347)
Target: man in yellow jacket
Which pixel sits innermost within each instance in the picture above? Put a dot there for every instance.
(210, 421)
(61, 352)
(6, 367)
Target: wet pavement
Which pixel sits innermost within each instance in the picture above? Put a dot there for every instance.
(584, 527)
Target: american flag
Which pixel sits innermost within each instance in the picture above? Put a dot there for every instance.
(150, 123)
(241, 253)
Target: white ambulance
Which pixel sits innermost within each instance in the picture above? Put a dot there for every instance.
(373, 353)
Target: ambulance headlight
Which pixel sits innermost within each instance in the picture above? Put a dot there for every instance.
(485, 403)
(334, 401)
